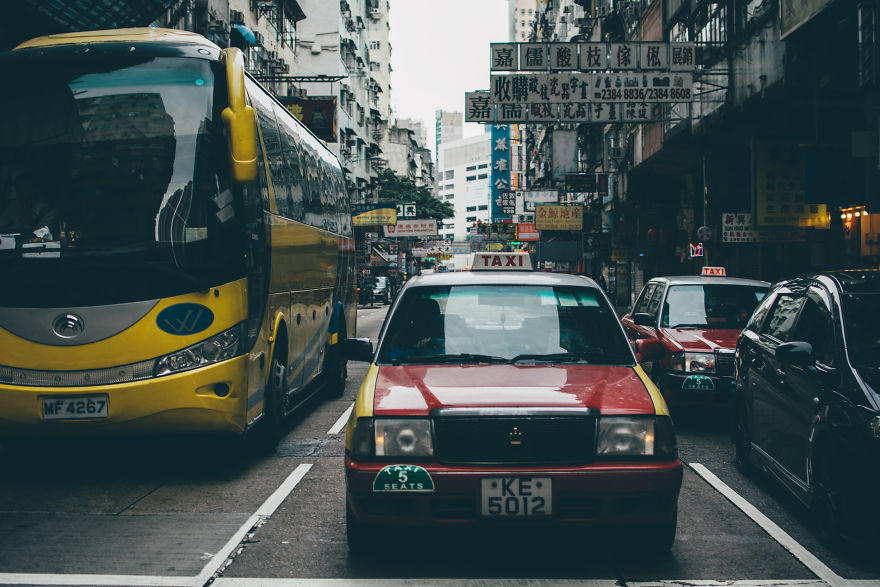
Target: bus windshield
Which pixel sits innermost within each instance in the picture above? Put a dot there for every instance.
(113, 181)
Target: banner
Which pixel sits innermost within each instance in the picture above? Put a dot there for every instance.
(412, 228)
(548, 217)
(373, 214)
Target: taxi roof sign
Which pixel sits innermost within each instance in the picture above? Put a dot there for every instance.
(714, 272)
(502, 262)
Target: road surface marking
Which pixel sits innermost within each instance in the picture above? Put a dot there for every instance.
(806, 558)
(342, 421)
(264, 511)
(253, 582)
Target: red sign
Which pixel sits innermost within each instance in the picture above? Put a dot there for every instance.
(526, 231)
(714, 272)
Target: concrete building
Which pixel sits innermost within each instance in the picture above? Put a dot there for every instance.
(405, 154)
(449, 127)
(334, 41)
(522, 17)
(463, 180)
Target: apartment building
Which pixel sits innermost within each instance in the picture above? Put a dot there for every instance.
(463, 180)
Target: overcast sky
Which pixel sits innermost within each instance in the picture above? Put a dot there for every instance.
(440, 50)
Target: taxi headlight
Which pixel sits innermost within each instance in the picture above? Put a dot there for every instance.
(404, 437)
(693, 362)
(219, 347)
(623, 436)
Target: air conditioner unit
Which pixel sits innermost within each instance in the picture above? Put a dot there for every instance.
(258, 36)
(236, 17)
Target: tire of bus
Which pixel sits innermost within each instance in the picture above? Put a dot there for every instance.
(336, 368)
(271, 428)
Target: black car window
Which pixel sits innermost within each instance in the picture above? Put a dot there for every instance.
(816, 327)
(760, 313)
(782, 318)
(644, 298)
(654, 305)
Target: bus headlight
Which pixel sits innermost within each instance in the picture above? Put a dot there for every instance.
(219, 347)
(623, 436)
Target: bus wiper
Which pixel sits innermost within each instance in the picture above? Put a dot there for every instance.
(456, 358)
(578, 357)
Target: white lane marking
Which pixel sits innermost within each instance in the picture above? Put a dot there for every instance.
(806, 558)
(342, 421)
(264, 511)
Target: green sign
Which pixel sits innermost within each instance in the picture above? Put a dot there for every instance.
(698, 383)
(407, 478)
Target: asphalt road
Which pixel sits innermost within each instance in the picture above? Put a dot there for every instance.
(167, 513)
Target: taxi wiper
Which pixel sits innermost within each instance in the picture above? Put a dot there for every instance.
(455, 358)
(552, 358)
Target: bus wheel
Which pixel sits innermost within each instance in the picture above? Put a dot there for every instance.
(335, 373)
(271, 427)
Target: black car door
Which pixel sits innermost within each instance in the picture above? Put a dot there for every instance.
(764, 373)
(803, 386)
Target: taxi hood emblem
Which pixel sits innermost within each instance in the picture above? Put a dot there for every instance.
(515, 437)
(68, 326)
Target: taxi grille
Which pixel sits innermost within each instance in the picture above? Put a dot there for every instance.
(724, 363)
(526, 439)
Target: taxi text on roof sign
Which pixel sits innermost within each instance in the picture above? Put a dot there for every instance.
(502, 261)
(714, 272)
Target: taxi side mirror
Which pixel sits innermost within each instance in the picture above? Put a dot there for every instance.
(649, 349)
(357, 349)
(644, 319)
(239, 119)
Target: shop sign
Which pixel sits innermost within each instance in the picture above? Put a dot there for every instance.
(419, 252)
(549, 217)
(373, 214)
(781, 189)
(507, 201)
(500, 161)
(526, 231)
(531, 198)
(620, 255)
(423, 227)
(794, 13)
(696, 250)
(737, 227)
(318, 113)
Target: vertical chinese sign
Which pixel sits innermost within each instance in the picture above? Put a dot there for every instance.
(500, 178)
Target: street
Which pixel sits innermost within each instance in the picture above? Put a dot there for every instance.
(89, 513)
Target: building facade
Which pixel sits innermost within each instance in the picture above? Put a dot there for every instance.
(522, 15)
(463, 181)
(449, 126)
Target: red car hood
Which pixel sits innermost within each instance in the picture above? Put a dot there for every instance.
(418, 389)
(697, 339)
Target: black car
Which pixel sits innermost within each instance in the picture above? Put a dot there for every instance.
(807, 409)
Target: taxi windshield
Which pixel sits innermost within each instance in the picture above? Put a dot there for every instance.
(724, 306)
(495, 323)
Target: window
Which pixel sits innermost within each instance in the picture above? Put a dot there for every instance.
(710, 306)
(449, 174)
(783, 315)
(656, 297)
(483, 166)
(375, 45)
(816, 327)
(471, 177)
(449, 196)
(471, 219)
(471, 209)
(449, 186)
(641, 305)
(760, 313)
(482, 176)
(484, 207)
(472, 168)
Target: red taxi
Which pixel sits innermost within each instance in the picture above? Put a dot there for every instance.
(499, 397)
(695, 320)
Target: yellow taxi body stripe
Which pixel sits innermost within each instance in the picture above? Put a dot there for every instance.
(660, 407)
(363, 404)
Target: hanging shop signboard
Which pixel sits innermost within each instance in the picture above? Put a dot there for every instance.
(737, 227)
(549, 217)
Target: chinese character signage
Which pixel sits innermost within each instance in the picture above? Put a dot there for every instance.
(424, 227)
(549, 217)
(526, 231)
(500, 160)
(507, 202)
(373, 214)
(478, 108)
(780, 190)
(317, 113)
(533, 197)
(737, 227)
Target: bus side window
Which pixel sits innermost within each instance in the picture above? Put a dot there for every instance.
(271, 140)
(331, 218)
(293, 154)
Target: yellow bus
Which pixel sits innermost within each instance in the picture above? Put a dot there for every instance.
(176, 248)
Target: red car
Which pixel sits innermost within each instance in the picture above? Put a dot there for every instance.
(697, 320)
(499, 397)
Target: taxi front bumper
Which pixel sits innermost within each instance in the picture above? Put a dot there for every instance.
(183, 403)
(606, 494)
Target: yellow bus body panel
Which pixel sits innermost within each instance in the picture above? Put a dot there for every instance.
(131, 35)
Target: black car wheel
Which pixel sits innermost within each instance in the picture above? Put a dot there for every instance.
(742, 442)
(659, 538)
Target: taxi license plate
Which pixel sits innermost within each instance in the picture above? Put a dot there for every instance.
(517, 496)
(83, 407)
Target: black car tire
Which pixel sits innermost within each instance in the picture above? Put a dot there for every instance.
(827, 516)
(361, 542)
(659, 538)
(742, 442)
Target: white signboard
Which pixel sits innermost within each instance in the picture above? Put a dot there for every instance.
(419, 252)
(423, 227)
(532, 197)
(737, 227)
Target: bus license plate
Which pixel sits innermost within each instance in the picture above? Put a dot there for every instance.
(517, 496)
(84, 407)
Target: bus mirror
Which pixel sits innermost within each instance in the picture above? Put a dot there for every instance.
(239, 119)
